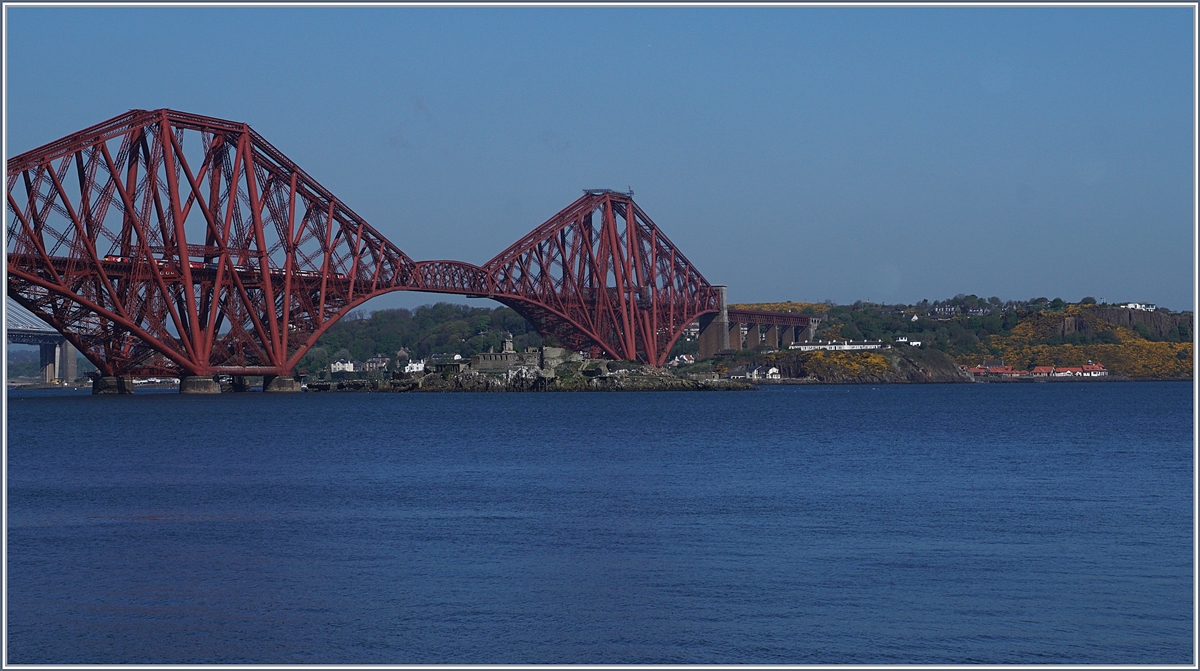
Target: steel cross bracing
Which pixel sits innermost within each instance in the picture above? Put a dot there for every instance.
(600, 274)
(164, 242)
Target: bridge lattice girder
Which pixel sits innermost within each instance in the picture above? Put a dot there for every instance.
(600, 273)
(165, 242)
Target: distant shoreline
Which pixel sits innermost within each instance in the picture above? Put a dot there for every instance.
(1061, 380)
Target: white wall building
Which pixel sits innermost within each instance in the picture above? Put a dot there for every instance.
(837, 345)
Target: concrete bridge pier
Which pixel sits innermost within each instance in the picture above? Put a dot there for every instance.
(109, 384)
(198, 384)
(280, 384)
(735, 336)
(772, 337)
(58, 361)
(810, 332)
(787, 336)
(714, 329)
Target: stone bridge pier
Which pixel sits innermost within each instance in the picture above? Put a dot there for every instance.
(733, 330)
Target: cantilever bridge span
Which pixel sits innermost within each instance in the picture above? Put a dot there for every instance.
(160, 242)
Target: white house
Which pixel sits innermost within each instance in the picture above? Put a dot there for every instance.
(414, 367)
(341, 366)
(682, 360)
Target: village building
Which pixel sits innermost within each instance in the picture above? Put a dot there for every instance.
(506, 358)
(754, 373)
(763, 373)
(446, 363)
(682, 360)
(837, 345)
(377, 362)
(996, 368)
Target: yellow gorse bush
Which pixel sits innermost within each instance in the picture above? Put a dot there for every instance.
(824, 363)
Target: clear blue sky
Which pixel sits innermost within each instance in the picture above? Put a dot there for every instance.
(890, 154)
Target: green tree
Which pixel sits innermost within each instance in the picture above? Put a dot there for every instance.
(315, 359)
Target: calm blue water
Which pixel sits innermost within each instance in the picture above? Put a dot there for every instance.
(1045, 523)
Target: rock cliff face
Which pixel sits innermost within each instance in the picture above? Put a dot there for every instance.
(1159, 324)
(926, 365)
(1073, 324)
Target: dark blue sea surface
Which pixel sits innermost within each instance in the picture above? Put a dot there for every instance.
(1021, 523)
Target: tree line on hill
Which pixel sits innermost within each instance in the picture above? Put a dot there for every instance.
(1038, 332)
(959, 325)
(443, 328)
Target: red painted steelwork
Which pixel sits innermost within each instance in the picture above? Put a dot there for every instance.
(165, 242)
(600, 274)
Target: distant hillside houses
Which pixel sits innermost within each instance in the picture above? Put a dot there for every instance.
(997, 369)
(1145, 307)
(378, 362)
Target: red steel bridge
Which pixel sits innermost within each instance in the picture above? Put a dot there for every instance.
(166, 243)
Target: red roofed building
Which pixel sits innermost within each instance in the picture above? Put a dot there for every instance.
(1005, 371)
(1042, 371)
(1093, 370)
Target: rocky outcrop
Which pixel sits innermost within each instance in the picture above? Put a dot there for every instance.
(883, 366)
(926, 365)
(1158, 324)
